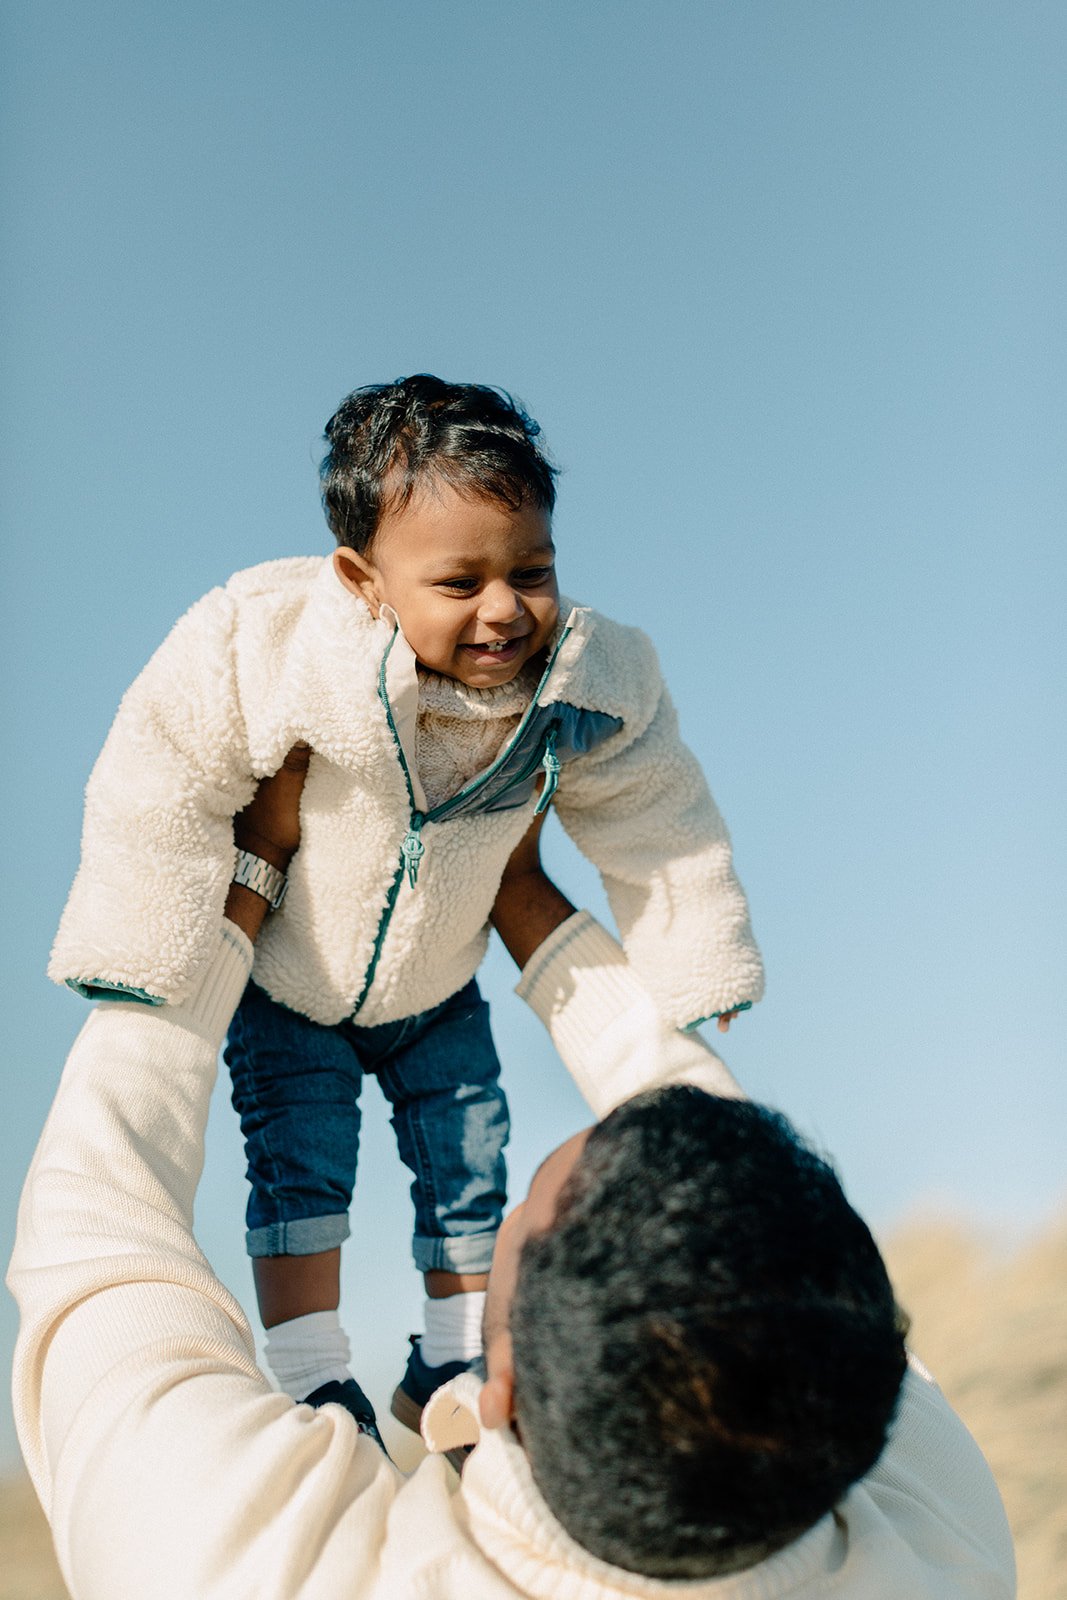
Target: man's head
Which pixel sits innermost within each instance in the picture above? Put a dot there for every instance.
(695, 1335)
(441, 503)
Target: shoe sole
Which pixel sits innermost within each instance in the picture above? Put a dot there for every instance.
(408, 1412)
(405, 1409)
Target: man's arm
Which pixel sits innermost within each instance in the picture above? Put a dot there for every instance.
(164, 1460)
(269, 826)
(575, 976)
(529, 907)
(609, 1035)
(639, 808)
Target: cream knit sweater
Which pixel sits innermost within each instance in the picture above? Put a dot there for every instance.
(167, 1465)
(459, 731)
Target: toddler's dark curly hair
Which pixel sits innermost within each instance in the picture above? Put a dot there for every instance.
(387, 437)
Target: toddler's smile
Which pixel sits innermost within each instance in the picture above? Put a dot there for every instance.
(472, 581)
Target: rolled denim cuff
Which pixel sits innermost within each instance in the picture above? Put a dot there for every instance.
(304, 1236)
(467, 1252)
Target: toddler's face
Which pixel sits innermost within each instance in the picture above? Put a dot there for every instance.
(473, 583)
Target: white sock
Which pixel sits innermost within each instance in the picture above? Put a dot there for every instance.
(453, 1328)
(306, 1352)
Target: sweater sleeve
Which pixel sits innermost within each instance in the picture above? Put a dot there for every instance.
(604, 1024)
(157, 840)
(164, 1461)
(640, 809)
(933, 1484)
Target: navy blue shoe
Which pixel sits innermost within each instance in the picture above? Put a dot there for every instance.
(419, 1382)
(351, 1396)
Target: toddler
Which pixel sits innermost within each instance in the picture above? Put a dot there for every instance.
(448, 695)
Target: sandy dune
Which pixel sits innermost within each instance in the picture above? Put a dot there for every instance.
(991, 1326)
(993, 1330)
(28, 1568)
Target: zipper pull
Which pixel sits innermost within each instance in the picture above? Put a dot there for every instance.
(413, 849)
(551, 763)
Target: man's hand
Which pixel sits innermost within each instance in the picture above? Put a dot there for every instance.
(528, 905)
(526, 856)
(269, 826)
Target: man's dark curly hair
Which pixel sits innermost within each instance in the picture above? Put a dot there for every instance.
(707, 1350)
(387, 437)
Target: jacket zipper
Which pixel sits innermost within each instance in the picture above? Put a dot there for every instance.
(551, 763)
(483, 778)
(412, 848)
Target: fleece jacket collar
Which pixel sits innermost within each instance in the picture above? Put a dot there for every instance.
(402, 684)
(332, 665)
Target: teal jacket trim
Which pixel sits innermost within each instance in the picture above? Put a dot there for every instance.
(96, 990)
(742, 1005)
(546, 738)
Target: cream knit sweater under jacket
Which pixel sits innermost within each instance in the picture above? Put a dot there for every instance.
(284, 652)
(168, 1467)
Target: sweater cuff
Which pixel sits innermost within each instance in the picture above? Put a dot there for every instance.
(604, 1023)
(579, 958)
(209, 1009)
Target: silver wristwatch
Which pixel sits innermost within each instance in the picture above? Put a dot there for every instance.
(252, 872)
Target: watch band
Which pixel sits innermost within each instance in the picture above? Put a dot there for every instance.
(252, 872)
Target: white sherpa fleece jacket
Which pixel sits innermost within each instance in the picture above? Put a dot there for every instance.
(283, 652)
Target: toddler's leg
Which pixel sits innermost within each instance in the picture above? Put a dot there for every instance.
(452, 1317)
(295, 1087)
(451, 1123)
(289, 1286)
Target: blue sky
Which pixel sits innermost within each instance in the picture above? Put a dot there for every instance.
(783, 282)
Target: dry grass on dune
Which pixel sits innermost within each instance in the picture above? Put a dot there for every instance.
(28, 1568)
(993, 1330)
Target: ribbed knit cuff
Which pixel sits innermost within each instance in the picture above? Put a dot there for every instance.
(605, 1024)
(580, 958)
(209, 1010)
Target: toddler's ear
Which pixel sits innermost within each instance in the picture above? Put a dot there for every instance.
(360, 576)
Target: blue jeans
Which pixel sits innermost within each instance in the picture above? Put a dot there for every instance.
(296, 1089)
